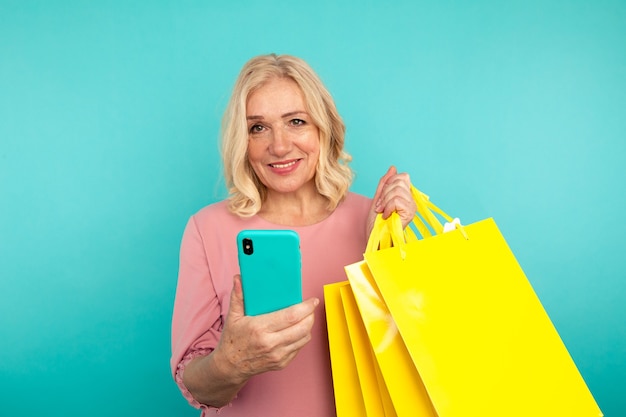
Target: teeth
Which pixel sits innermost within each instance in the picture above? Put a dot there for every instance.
(283, 165)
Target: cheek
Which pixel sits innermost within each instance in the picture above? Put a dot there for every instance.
(315, 149)
(315, 153)
(254, 152)
(312, 144)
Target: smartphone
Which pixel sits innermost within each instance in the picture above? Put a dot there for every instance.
(271, 270)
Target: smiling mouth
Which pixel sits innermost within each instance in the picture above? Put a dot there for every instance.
(284, 165)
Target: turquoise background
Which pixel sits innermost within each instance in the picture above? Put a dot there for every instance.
(109, 115)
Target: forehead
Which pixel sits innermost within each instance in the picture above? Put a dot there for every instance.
(277, 95)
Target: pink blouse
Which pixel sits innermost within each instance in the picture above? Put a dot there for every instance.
(208, 262)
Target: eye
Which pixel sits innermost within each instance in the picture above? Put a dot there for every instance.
(257, 128)
(297, 122)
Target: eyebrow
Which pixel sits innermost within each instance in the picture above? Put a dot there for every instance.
(288, 114)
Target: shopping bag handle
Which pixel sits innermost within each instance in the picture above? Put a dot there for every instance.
(386, 233)
(389, 232)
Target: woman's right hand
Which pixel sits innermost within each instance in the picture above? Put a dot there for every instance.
(250, 345)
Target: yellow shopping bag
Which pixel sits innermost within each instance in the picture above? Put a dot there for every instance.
(349, 400)
(375, 393)
(399, 375)
(357, 382)
(475, 330)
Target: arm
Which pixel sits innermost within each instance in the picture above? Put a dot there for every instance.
(197, 320)
(210, 382)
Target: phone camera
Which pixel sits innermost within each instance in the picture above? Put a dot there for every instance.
(248, 249)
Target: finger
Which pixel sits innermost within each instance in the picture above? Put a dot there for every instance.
(397, 188)
(289, 352)
(399, 179)
(290, 316)
(397, 197)
(400, 204)
(282, 360)
(289, 342)
(295, 336)
(381, 185)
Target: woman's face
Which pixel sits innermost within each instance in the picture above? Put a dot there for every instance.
(283, 142)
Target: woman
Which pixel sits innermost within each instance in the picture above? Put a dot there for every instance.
(285, 166)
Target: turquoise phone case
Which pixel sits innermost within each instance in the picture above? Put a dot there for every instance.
(270, 265)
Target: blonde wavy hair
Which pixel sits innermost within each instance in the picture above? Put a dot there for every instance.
(333, 175)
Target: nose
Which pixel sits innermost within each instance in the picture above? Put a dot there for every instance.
(281, 142)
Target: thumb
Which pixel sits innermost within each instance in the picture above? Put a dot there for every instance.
(236, 298)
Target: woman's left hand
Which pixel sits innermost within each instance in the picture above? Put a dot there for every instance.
(393, 194)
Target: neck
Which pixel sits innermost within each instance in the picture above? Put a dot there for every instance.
(302, 208)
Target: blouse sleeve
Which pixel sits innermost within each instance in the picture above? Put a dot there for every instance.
(197, 321)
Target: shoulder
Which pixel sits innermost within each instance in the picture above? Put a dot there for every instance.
(214, 218)
(213, 211)
(356, 202)
(355, 207)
